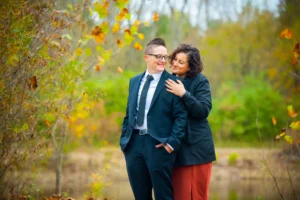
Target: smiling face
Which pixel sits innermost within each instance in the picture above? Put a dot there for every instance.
(180, 64)
(155, 65)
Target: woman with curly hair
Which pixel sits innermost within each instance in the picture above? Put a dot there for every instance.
(192, 172)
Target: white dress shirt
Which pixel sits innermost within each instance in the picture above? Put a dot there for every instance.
(150, 94)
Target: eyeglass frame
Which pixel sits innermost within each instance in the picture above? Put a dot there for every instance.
(158, 55)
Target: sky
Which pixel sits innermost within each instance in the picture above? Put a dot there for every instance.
(218, 9)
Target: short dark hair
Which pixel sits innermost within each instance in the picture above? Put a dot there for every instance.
(154, 43)
(194, 58)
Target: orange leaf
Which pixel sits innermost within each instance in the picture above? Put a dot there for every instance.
(286, 33)
(47, 122)
(295, 125)
(119, 43)
(155, 17)
(98, 68)
(274, 121)
(298, 141)
(98, 34)
(137, 46)
(291, 111)
(32, 83)
(120, 70)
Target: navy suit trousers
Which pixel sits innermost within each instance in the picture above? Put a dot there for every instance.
(149, 167)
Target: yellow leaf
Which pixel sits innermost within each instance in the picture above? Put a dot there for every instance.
(116, 27)
(141, 36)
(282, 134)
(295, 125)
(274, 121)
(101, 60)
(136, 23)
(120, 70)
(78, 51)
(146, 23)
(137, 46)
(119, 43)
(289, 139)
(291, 111)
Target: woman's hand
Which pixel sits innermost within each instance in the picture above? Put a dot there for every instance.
(175, 88)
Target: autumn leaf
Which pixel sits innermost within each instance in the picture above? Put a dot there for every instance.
(291, 111)
(295, 125)
(32, 83)
(155, 17)
(146, 23)
(47, 122)
(289, 139)
(98, 68)
(98, 34)
(101, 9)
(78, 51)
(274, 121)
(120, 70)
(298, 141)
(101, 60)
(116, 28)
(119, 43)
(141, 36)
(136, 23)
(137, 46)
(286, 33)
(88, 51)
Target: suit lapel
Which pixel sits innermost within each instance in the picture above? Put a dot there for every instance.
(160, 86)
(135, 91)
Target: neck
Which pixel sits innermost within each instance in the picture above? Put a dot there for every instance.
(182, 76)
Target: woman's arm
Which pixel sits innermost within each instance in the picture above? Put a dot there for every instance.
(199, 103)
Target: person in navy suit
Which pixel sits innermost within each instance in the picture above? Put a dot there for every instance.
(153, 127)
(193, 166)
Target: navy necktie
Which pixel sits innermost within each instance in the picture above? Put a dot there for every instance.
(142, 103)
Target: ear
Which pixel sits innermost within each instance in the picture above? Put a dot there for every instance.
(145, 57)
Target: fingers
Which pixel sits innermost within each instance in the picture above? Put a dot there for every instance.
(179, 82)
(159, 145)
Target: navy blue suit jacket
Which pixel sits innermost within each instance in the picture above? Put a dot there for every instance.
(167, 116)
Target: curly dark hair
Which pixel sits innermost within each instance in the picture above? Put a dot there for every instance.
(154, 43)
(194, 58)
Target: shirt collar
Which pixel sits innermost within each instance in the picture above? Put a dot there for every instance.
(156, 76)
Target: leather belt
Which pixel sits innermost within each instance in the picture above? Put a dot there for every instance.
(140, 131)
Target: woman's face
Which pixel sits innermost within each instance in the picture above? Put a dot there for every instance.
(180, 65)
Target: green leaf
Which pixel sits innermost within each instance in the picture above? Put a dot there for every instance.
(70, 6)
(50, 117)
(88, 51)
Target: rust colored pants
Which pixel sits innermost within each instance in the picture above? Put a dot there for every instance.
(192, 182)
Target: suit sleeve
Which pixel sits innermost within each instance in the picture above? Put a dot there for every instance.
(199, 104)
(180, 121)
(125, 120)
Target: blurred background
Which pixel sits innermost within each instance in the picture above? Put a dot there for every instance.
(250, 50)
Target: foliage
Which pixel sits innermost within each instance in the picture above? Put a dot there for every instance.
(237, 108)
(46, 53)
(232, 159)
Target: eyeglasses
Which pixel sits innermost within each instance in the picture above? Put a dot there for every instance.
(158, 56)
